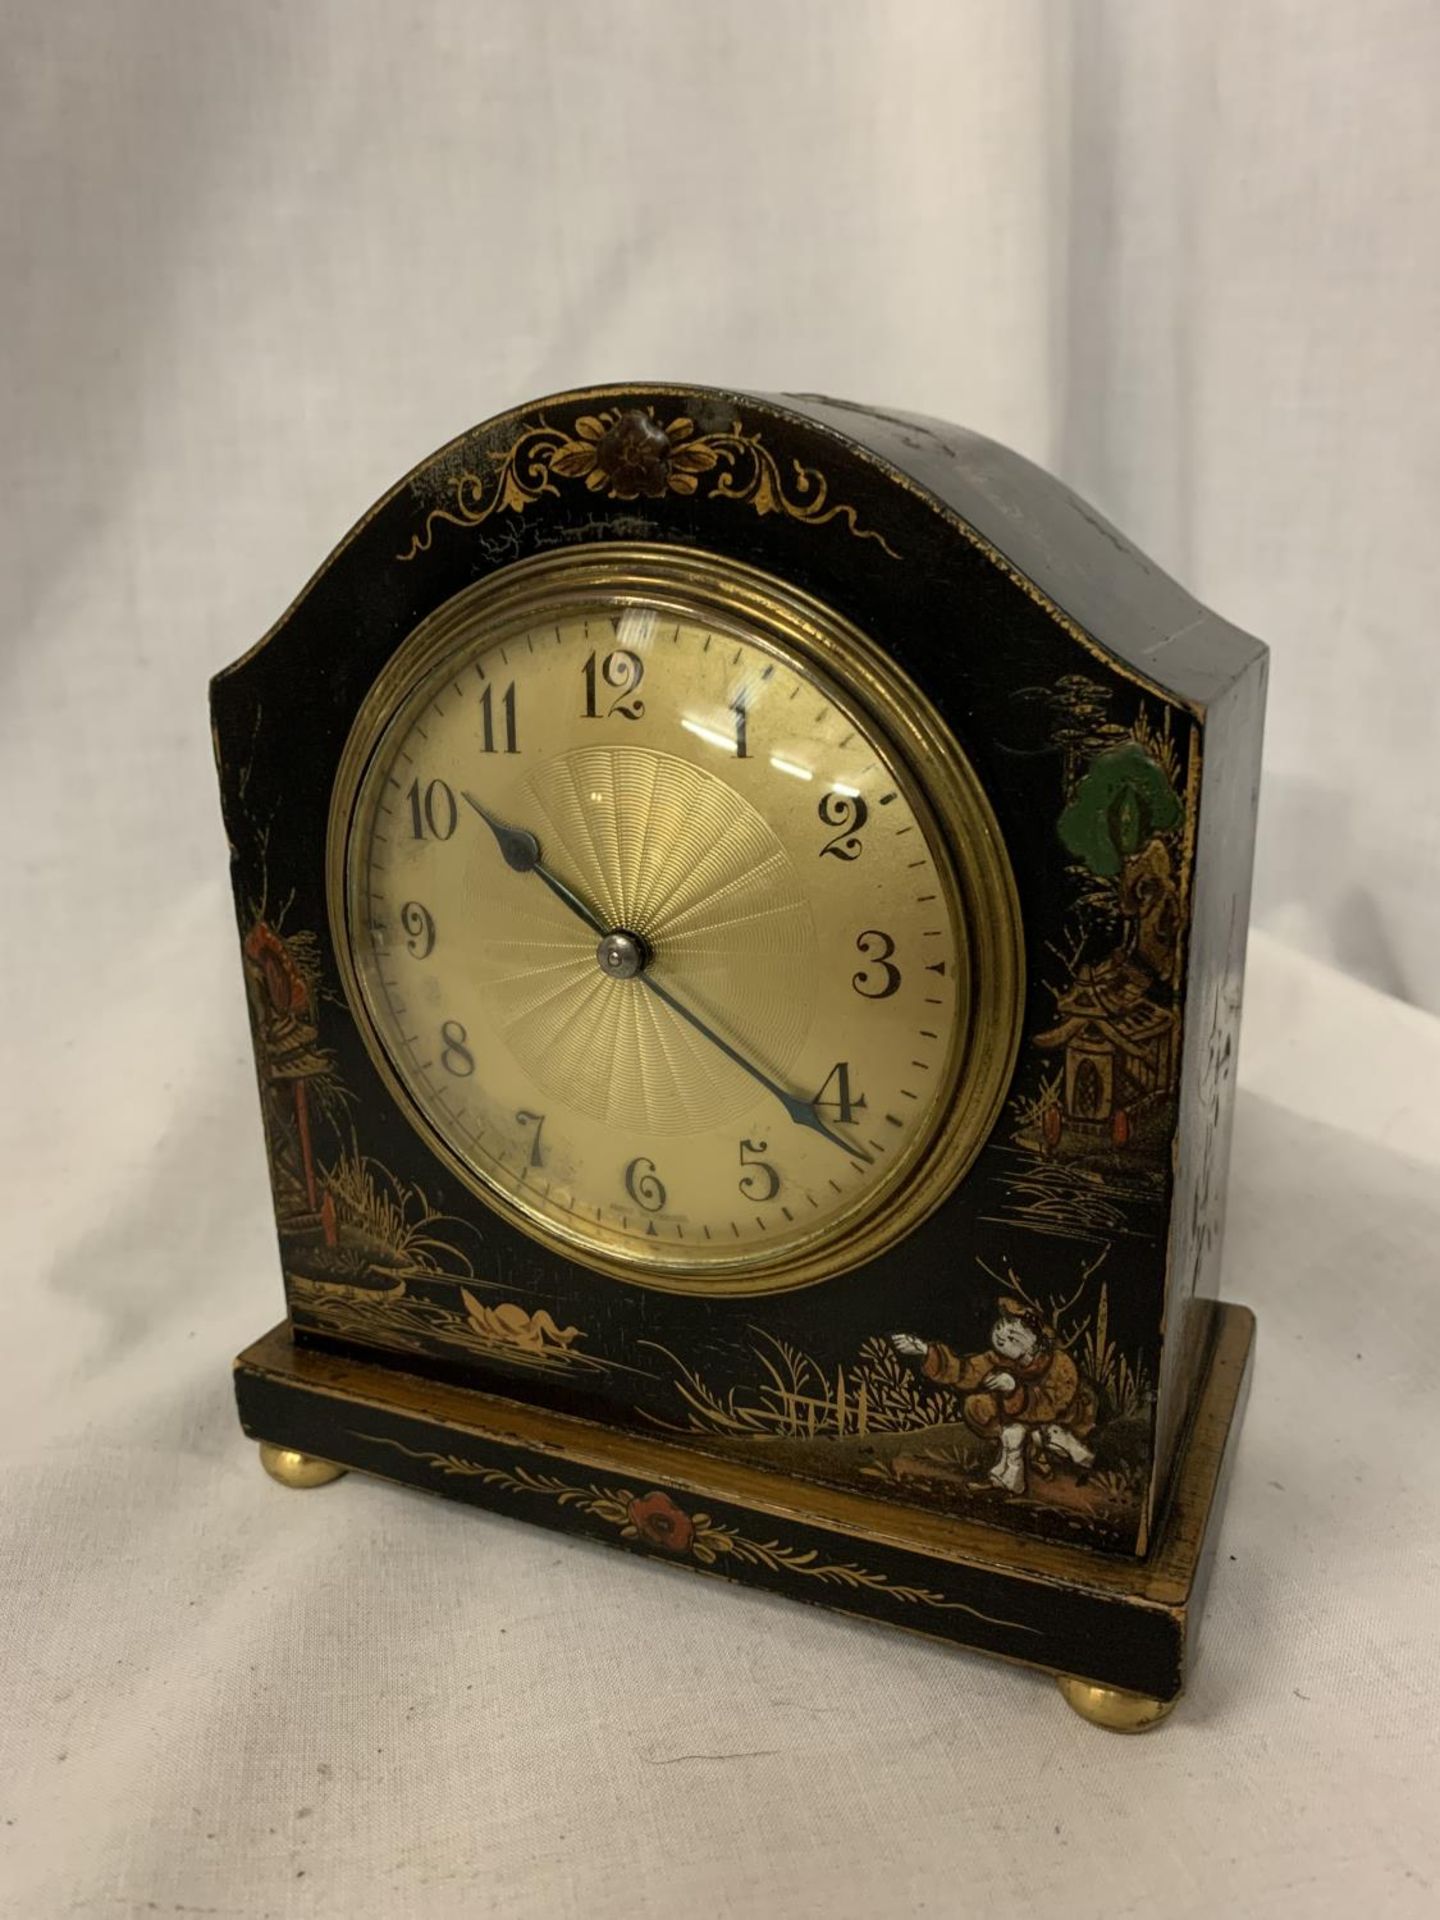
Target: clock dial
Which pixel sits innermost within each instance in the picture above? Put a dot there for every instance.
(656, 932)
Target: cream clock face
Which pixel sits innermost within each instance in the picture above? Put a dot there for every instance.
(652, 926)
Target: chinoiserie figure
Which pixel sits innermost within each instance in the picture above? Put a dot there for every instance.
(1024, 1391)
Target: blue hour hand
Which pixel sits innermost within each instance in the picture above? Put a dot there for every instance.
(521, 852)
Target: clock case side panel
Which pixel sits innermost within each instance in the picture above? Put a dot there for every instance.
(1214, 987)
(1090, 572)
(813, 505)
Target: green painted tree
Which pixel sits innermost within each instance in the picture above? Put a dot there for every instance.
(1124, 799)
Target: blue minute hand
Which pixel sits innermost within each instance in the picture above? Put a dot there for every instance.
(800, 1111)
(520, 851)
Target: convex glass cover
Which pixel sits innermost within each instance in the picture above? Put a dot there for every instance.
(674, 918)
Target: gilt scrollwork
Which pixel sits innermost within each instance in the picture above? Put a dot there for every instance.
(656, 1520)
(629, 455)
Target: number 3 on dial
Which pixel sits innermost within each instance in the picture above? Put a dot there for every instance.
(881, 978)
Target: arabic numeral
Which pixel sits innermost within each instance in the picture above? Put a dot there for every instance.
(419, 925)
(537, 1120)
(740, 707)
(433, 810)
(762, 1181)
(620, 671)
(487, 719)
(455, 1055)
(644, 1185)
(881, 978)
(845, 1103)
(847, 812)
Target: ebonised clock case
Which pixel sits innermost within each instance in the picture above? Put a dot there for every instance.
(1051, 649)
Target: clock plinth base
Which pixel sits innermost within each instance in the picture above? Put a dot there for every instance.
(1112, 1708)
(297, 1470)
(1119, 1633)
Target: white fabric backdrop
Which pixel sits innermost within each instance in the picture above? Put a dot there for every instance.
(257, 259)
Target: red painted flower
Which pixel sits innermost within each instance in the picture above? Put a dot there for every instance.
(657, 1519)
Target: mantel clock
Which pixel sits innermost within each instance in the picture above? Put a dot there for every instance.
(743, 904)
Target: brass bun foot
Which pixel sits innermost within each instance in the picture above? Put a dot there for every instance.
(1109, 1707)
(294, 1469)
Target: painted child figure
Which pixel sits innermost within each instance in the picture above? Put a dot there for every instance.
(1024, 1391)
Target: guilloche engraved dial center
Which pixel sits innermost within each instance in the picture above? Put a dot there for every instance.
(622, 955)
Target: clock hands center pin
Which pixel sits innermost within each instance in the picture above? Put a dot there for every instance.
(623, 955)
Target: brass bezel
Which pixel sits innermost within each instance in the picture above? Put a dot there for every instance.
(940, 784)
